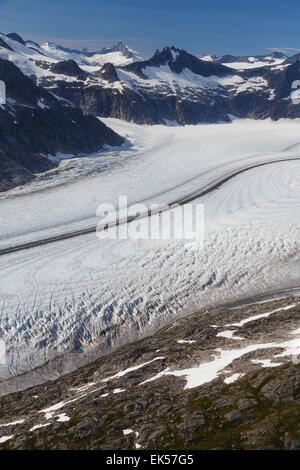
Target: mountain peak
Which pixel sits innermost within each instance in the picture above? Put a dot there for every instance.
(168, 53)
(278, 55)
(69, 68)
(177, 60)
(50, 45)
(16, 37)
(118, 46)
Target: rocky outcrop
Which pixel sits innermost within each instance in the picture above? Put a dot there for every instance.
(70, 68)
(108, 72)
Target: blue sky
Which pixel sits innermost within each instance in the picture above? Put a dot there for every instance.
(219, 27)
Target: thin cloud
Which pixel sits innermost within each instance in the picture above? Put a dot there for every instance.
(284, 50)
(76, 43)
(144, 46)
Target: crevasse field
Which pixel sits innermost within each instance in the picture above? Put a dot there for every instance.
(56, 296)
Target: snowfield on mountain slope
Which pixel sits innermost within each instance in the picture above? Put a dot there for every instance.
(167, 82)
(254, 64)
(89, 63)
(251, 63)
(57, 296)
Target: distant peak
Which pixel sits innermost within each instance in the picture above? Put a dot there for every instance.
(278, 55)
(16, 37)
(50, 44)
(118, 46)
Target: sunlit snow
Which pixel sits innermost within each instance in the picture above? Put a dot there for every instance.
(76, 288)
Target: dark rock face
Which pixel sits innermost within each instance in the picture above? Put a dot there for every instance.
(34, 123)
(278, 55)
(70, 68)
(293, 59)
(145, 107)
(108, 73)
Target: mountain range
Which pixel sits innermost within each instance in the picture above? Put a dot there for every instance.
(76, 86)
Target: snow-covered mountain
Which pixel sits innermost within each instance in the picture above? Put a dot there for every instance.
(34, 59)
(118, 54)
(247, 62)
(173, 85)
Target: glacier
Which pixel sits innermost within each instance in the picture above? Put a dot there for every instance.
(105, 294)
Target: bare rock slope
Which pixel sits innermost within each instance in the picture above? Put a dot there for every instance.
(141, 397)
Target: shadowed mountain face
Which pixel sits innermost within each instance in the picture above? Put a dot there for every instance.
(33, 124)
(16, 37)
(70, 68)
